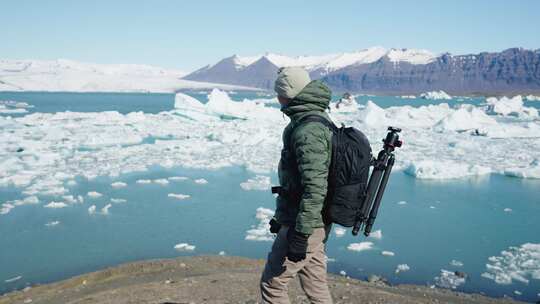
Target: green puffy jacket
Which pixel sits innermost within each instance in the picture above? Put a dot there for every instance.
(303, 177)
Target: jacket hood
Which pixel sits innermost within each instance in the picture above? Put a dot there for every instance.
(314, 97)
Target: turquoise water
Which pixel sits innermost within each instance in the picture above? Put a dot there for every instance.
(442, 221)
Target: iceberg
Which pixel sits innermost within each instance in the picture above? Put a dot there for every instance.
(184, 247)
(444, 170)
(402, 268)
(362, 246)
(435, 95)
(520, 264)
(449, 279)
(261, 232)
(510, 107)
(260, 182)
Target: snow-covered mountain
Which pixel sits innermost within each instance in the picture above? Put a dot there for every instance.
(380, 70)
(74, 76)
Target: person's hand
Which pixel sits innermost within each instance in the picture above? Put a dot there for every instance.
(274, 226)
(298, 243)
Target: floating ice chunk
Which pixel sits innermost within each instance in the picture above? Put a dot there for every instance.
(431, 207)
(220, 104)
(71, 183)
(362, 246)
(531, 171)
(13, 279)
(339, 231)
(402, 268)
(201, 181)
(80, 199)
(92, 209)
(261, 232)
(448, 279)
(428, 169)
(260, 182)
(518, 293)
(435, 95)
(373, 115)
(343, 273)
(184, 247)
(105, 210)
(161, 181)
(186, 102)
(94, 194)
(402, 203)
(177, 178)
(30, 200)
(52, 223)
(118, 185)
(510, 106)
(532, 98)
(516, 263)
(178, 196)
(144, 181)
(222, 253)
(463, 119)
(6, 208)
(55, 205)
(507, 210)
(377, 234)
(388, 253)
(456, 263)
(118, 200)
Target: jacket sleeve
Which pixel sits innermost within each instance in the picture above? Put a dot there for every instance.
(312, 144)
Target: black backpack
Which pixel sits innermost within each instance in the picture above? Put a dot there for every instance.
(349, 172)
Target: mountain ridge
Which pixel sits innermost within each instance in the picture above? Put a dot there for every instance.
(396, 71)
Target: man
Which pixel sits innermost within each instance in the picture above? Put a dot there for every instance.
(299, 247)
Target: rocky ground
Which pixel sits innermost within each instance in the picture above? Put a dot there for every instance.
(212, 279)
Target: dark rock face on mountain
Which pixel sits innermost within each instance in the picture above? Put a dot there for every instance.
(260, 74)
(511, 71)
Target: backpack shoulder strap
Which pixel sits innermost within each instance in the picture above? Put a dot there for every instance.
(316, 118)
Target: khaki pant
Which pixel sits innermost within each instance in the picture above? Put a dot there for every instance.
(279, 270)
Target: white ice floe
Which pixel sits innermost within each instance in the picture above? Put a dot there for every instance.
(388, 253)
(260, 182)
(144, 181)
(507, 210)
(52, 223)
(515, 264)
(161, 181)
(377, 234)
(449, 279)
(532, 98)
(6, 208)
(118, 200)
(429, 169)
(530, 171)
(105, 210)
(261, 232)
(362, 246)
(177, 178)
(94, 194)
(110, 144)
(178, 196)
(510, 107)
(118, 185)
(343, 273)
(402, 203)
(340, 231)
(222, 253)
(435, 95)
(402, 268)
(201, 181)
(10, 280)
(92, 209)
(56, 205)
(456, 263)
(184, 247)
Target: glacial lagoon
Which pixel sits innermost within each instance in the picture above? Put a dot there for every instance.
(482, 224)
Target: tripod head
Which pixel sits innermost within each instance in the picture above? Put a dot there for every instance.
(392, 139)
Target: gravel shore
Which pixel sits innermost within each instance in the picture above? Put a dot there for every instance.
(215, 279)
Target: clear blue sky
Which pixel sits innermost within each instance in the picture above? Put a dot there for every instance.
(190, 34)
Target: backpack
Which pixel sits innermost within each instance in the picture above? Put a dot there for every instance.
(348, 174)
